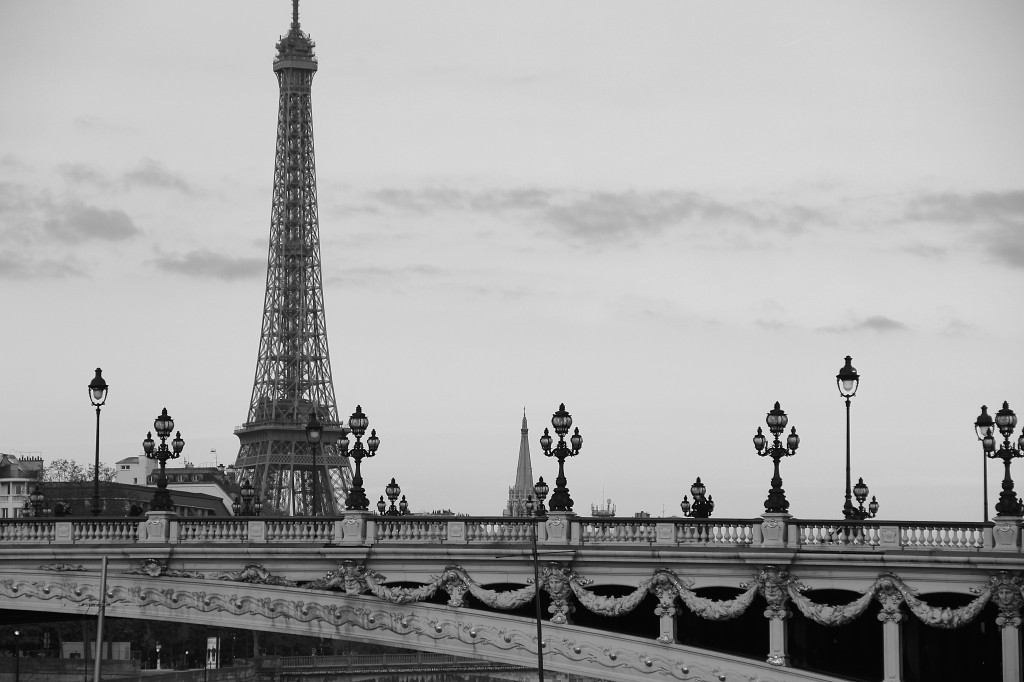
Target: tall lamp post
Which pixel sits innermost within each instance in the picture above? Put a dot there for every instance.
(702, 505)
(358, 422)
(776, 421)
(97, 396)
(847, 381)
(561, 421)
(983, 426)
(163, 425)
(17, 656)
(536, 509)
(314, 432)
(1005, 421)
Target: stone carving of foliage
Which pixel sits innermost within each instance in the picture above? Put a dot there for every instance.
(825, 614)
(254, 574)
(399, 595)
(609, 606)
(155, 568)
(453, 582)
(350, 578)
(62, 567)
(942, 617)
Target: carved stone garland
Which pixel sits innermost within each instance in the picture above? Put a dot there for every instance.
(776, 586)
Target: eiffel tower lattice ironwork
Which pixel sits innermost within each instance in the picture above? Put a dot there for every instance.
(293, 370)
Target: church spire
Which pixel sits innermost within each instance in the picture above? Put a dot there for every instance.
(523, 487)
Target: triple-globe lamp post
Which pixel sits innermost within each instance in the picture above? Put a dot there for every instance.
(1005, 421)
(702, 505)
(561, 421)
(97, 396)
(776, 421)
(245, 504)
(392, 490)
(356, 500)
(848, 380)
(163, 425)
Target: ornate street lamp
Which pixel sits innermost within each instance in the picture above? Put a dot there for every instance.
(861, 492)
(983, 425)
(358, 422)
(540, 489)
(392, 490)
(97, 396)
(847, 381)
(561, 421)
(1005, 421)
(244, 504)
(37, 498)
(702, 505)
(776, 421)
(163, 425)
(314, 432)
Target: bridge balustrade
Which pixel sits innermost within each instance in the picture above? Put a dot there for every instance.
(800, 534)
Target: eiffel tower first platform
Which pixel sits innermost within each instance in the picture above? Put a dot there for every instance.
(293, 370)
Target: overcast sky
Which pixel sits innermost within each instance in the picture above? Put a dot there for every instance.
(666, 215)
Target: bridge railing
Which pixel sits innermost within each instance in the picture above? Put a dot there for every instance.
(557, 529)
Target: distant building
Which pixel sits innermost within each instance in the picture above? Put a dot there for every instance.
(120, 499)
(607, 511)
(17, 476)
(135, 470)
(215, 481)
(523, 488)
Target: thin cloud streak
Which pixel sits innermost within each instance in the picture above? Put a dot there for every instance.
(874, 323)
(205, 264)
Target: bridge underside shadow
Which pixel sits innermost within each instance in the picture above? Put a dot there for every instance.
(420, 626)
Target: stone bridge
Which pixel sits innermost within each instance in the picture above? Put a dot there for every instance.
(766, 599)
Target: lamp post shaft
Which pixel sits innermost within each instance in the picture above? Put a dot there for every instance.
(96, 469)
(984, 486)
(848, 505)
(315, 447)
(536, 601)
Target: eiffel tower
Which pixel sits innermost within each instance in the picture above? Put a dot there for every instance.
(293, 370)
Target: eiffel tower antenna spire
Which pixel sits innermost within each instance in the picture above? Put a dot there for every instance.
(293, 367)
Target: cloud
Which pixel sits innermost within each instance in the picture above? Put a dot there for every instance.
(999, 214)
(151, 173)
(207, 264)
(598, 216)
(1005, 244)
(82, 174)
(19, 266)
(74, 223)
(875, 323)
(91, 123)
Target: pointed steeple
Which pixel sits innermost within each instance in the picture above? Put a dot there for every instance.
(523, 487)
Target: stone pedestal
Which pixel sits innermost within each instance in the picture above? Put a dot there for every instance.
(159, 526)
(1006, 534)
(773, 529)
(352, 528)
(556, 529)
